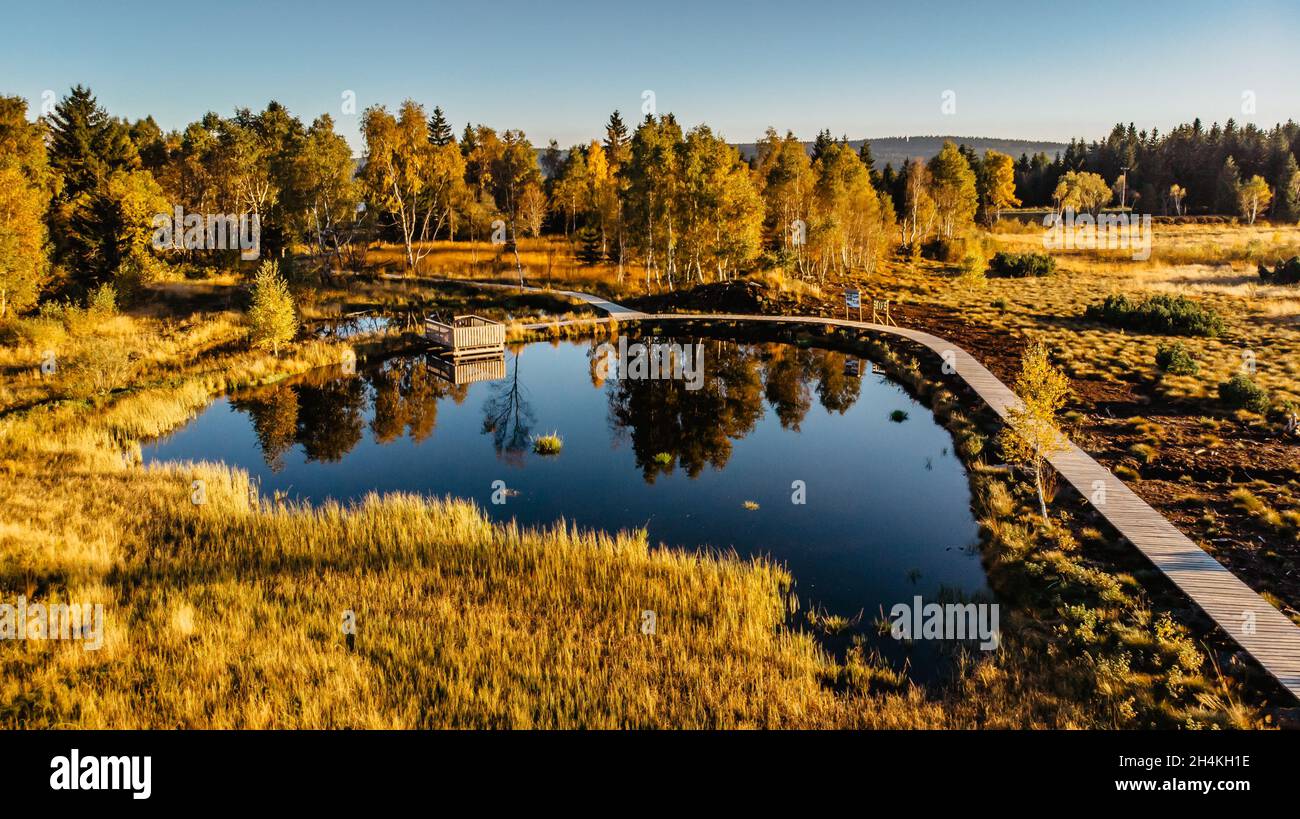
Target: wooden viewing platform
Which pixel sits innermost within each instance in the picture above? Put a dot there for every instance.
(467, 336)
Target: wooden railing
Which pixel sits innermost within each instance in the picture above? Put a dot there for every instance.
(467, 334)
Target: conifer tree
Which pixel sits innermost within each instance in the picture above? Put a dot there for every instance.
(439, 129)
(864, 154)
(823, 142)
(1286, 201)
(615, 138)
(95, 219)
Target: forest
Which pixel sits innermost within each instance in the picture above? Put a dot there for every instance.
(84, 192)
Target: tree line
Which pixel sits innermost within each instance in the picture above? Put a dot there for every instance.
(1190, 170)
(80, 189)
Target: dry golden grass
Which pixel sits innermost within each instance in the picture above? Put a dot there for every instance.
(233, 611)
(546, 261)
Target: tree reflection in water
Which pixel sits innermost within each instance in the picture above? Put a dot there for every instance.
(325, 414)
(274, 413)
(407, 391)
(508, 416)
(670, 425)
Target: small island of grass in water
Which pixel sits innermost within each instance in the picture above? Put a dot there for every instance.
(548, 444)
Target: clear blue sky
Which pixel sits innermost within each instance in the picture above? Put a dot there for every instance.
(865, 69)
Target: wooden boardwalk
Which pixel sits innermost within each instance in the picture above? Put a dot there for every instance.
(1261, 630)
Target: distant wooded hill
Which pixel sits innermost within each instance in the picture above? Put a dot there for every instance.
(893, 150)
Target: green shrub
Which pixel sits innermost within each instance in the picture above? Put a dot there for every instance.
(954, 250)
(1241, 392)
(1170, 315)
(1021, 265)
(137, 271)
(972, 268)
(1175, 360)
(1287, 272)
(56, 311)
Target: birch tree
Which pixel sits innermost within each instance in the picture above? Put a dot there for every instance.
(1032, 436)
(409, 177)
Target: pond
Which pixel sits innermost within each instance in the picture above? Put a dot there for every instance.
(718, 460)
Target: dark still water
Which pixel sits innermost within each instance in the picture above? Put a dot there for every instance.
(887, 512)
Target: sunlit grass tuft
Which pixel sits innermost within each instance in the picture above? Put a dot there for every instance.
(549, 444)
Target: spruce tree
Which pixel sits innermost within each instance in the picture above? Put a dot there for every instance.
(87, 147)
(822, 144)
(864, 154)
(1286, 201)
(85, 144)
(589, 245)
(1225, 196)
(468, 142)
(615, 134)
(439, 129)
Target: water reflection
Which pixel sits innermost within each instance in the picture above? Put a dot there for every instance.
(672, 426)
(886, 512)
(668, 425)
(507, 415)
(326, 415)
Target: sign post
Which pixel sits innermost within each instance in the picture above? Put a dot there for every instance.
(880, 312)
(852, 299)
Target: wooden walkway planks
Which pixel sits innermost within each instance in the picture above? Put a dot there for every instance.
(1261, 630)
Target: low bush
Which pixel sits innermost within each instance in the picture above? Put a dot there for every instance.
(1171, 315)
(1176, 360)
(971, 271)
(949, 251)
(1005, 265)
(1241, 392)
(103, 301)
